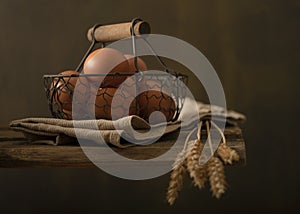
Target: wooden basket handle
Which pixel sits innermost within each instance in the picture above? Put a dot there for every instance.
(114, 32)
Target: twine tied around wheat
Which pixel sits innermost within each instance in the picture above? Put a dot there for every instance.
(188, 160)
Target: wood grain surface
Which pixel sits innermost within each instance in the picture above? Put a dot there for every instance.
(16, 151)
(114, 32)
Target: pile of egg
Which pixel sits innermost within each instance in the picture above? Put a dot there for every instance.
(96, 93)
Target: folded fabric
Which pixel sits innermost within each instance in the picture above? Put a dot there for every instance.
(61, 131)
(207, 111)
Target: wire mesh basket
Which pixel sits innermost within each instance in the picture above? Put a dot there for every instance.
(120, 94)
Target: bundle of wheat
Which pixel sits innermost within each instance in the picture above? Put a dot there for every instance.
(189, 160)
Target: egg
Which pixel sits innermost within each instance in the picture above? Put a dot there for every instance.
(106, 61)
(90, 56)
(104, 106)
(67, 114)
(62, 89)
(141, 64)
(156, 98)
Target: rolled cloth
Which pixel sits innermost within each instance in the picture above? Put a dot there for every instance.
(61, 131)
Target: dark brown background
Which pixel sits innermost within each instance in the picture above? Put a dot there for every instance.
(254, 47)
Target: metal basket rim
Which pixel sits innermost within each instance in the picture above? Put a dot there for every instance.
(109, 74)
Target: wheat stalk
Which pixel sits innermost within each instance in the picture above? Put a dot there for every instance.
(216, 175)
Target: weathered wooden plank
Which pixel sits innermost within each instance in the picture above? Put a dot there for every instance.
(20, 153)
(10, 135)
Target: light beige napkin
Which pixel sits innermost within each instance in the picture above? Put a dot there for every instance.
(60, 131)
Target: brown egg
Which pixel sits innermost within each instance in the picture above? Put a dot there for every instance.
(63, 90)
(154, 99)
(90, 56)
(103, 104)
(141, 64)
(104, 61)
(67, 114)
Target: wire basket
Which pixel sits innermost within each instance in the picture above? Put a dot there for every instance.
(141, 93)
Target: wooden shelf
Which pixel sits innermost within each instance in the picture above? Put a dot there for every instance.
(16, 151)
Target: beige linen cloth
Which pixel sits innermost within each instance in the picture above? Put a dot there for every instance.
(59, 131)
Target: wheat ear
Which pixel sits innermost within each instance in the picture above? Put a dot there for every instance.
(216, 175)
(227, 154)
(215, 170)
(177, 176)
(197, 173)
(178, 173)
